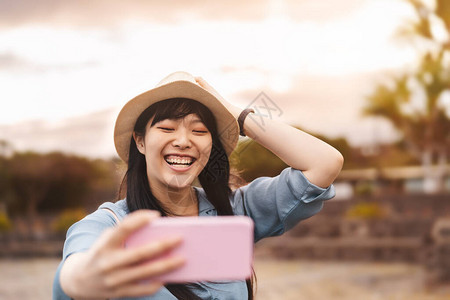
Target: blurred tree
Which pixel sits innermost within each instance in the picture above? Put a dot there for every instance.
(252, 160)
(5, 148)
(5, 222)
(417, 102)
(36, 176)
(56, 181)
(105, 179)
(66, 218)
(6, 194)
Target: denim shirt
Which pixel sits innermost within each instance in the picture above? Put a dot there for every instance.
(275, 204)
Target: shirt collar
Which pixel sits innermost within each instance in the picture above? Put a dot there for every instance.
(205, 208)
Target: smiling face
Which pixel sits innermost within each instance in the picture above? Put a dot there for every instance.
(176, 151)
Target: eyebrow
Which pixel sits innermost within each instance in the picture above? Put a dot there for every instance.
(196, 121)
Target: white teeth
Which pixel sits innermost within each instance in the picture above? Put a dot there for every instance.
(180, 161)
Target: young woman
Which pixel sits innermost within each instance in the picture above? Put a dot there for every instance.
(178, 132)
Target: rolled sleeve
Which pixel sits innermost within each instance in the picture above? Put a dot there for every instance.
(58, 293)
(80, 238)
(84, 233)
(276, 204)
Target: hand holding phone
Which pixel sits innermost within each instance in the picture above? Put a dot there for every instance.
(215, 248)
(109, 271)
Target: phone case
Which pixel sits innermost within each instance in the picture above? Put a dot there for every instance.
(215, 248)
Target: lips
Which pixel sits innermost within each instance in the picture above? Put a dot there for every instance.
(179, 160)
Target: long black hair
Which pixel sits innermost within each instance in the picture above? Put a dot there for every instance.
(214, 178)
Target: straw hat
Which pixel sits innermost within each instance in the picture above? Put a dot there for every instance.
(175, 85)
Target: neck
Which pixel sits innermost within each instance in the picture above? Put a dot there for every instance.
(177, 202)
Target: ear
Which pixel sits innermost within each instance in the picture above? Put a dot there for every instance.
(139, 140)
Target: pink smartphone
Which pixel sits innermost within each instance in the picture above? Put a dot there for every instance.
(215, 248)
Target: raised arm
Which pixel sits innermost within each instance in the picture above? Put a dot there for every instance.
(319, 162)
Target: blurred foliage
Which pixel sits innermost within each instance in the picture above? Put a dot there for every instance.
(364, 189)
(33, 182)
(6, 195)
(5, 222)
(428, 15)
(366, 211)
(381, 156)
(252, 161)
(67, 218)
(414, 101)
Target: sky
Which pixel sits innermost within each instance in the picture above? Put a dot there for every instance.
(67, 67)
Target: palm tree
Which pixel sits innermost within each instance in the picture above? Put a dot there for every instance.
(414, 102)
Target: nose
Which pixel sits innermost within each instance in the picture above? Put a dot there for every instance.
(182, 140)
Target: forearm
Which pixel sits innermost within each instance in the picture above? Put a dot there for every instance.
(320, 162)
(68, 278)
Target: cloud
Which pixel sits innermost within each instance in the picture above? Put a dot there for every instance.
(90, 135)
(81, 13)
(322, 11)
(15, 63)
(111, 53)
(11, 61)
(110, 12)
(329, 105)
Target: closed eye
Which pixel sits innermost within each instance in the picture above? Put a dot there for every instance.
(165, 128)
(200, 131)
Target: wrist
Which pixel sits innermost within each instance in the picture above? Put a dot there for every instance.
(241, 119)
(71, 283)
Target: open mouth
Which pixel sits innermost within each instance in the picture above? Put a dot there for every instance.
(183, 161)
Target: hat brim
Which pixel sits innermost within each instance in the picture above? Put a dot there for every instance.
(226, 124)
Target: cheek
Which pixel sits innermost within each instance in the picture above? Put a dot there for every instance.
(205, 145)
(206, 150)
(153, 148)
(154, 140)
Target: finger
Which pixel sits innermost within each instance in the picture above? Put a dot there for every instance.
(130, 224)
(150, 250)
(145, 271)
(137, 289)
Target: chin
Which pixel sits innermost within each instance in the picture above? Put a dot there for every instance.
(180, 182)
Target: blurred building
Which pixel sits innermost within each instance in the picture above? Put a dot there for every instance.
(408, 180)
